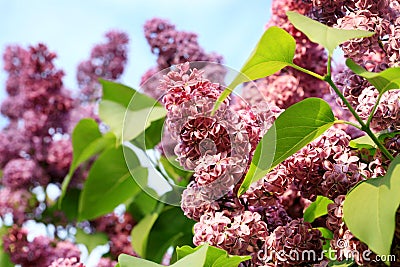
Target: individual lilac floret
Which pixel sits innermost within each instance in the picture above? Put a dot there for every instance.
(66, 262)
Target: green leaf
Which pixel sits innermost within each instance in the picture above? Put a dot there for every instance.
(140, 234)
(150, 137)
(326, 233)
(165, 234)
(5, 260)
(195, 259)
(362, 142)
(91, 241)
(131, 261)
(383, 81)
(110, 182)
(374, 201)
(345, 263)
(216, 257)
(274, 51)
(70, 203)
(143, 204)
(293, 129)
(180, 176)
(328, 37)
(87, 141)
(127, 112)
(317, 209)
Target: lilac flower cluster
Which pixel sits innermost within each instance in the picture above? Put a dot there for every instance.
(272, 208)
(42, 251)
(118, 229)
(106, 61)
(35, 146)
(375, 53)
(174, 47)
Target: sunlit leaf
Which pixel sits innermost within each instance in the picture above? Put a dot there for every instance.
(274, 51)
(127, 112)
(370, 209)
(195, 259)
(293, 129)
(317, 209)
(383, 81)
(319, 33)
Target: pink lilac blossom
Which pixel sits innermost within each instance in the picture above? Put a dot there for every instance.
(23, 173)
(106, 61)
(293, 239)
(118, 229)
(41, 251)
(174, 47)
(236, 233)
(307, 167)
(66, 262)
(106, 262)
(15, 202)
(59, 157)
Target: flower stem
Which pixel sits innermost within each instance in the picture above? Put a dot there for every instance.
(364, 127)
(349, 123)
(373, 110)
(316, 75)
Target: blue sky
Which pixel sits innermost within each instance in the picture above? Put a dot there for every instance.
(71, 28)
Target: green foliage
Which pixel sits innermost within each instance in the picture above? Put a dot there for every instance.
(274, 51)
(328, 236)
(328, 37)
(4, 257)
(127, 112)
(140, 234)
(154, 234)
(345, 263)
(196, 259)
(110, 182)
(293, 129)
(87, 141)
(175, 172)
(317, 209)
(143, 203)
(70, 203)
(216, 257)
(91, 241)
(362, 142)
(150, 137)
(374, 201)
(383, 81)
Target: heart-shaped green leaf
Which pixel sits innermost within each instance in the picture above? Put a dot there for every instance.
(328, 37)
(370, 209)
(317, 209)
(274, 51)
(293, 129)
(383, 81)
